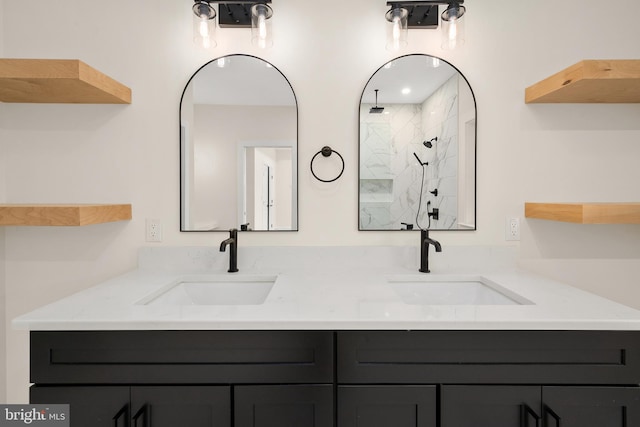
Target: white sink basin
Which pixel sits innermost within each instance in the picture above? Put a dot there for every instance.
(213, 290)
(452, 290)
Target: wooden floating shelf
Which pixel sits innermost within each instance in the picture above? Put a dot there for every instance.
(585, 213)
(62, 215)
(590, 81)
(58, 81)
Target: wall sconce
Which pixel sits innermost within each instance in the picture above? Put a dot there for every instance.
(424, 15)
(254, 14)
(261, 34)
(397, 29)
(204, 25)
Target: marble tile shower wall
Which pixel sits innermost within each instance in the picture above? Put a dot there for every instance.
(390, 175)
(440, 118)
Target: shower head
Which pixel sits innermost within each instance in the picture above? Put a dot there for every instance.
(429, 143)
(376, 109)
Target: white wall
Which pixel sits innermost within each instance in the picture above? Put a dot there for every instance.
(186, 155)
(3, 312)
(79, 153)
(218, 132)
(3, 308)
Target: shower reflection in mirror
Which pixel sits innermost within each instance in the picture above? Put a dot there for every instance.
(417, 147)
(239, 151)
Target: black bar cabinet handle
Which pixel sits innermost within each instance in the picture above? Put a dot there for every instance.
(555, 416)
(121, 413)
(525, 413)
(142, 412)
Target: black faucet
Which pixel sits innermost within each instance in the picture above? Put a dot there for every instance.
(425, 241)
(232, 241)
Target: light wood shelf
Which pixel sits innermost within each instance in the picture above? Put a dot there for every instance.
(585, 213)
(58, 81)
(590, 81)
(62, 215)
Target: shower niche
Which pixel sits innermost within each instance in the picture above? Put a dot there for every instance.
(417, 147)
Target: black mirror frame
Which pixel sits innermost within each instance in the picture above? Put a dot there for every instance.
(296, 177)
(475, 163)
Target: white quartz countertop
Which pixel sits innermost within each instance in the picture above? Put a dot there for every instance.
(309, 295)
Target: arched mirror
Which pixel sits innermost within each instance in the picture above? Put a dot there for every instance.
(417, 157)
(238, 148)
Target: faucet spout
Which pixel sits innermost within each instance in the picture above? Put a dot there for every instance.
(225, 243)
(425, 241)
(232, 242)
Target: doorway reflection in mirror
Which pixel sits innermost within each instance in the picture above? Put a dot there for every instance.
(239, 127)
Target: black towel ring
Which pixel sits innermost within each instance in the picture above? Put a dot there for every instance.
(326, 152)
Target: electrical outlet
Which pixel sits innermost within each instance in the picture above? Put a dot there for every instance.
(154, 230)
(512, 229)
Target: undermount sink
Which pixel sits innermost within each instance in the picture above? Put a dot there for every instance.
(213, 290)
(452, 290)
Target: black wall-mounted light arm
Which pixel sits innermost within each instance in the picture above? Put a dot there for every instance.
(424, 14)
(236, 14)
(422, 3)
(254, 14)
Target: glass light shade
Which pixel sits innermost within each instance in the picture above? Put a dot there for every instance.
(204, 25)
(453, 11)
(397, 28)
(261, 34)
(452, 26)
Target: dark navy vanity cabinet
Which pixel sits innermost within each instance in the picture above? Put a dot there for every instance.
(187, 378)
(340, 378)
(489, 378)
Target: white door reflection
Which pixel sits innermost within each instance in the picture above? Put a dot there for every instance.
(267, 192)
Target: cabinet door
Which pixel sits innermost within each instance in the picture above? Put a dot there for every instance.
(387, 406)
(171, 406)
(89, 406)
(283, 406)
(491, 406)
(591, 406)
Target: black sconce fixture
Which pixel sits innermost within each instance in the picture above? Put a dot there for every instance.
(404, 15)
(239, 14)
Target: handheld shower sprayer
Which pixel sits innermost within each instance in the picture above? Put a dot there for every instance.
(420, 161)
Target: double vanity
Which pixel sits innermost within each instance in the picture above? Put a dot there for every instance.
(336, 336)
